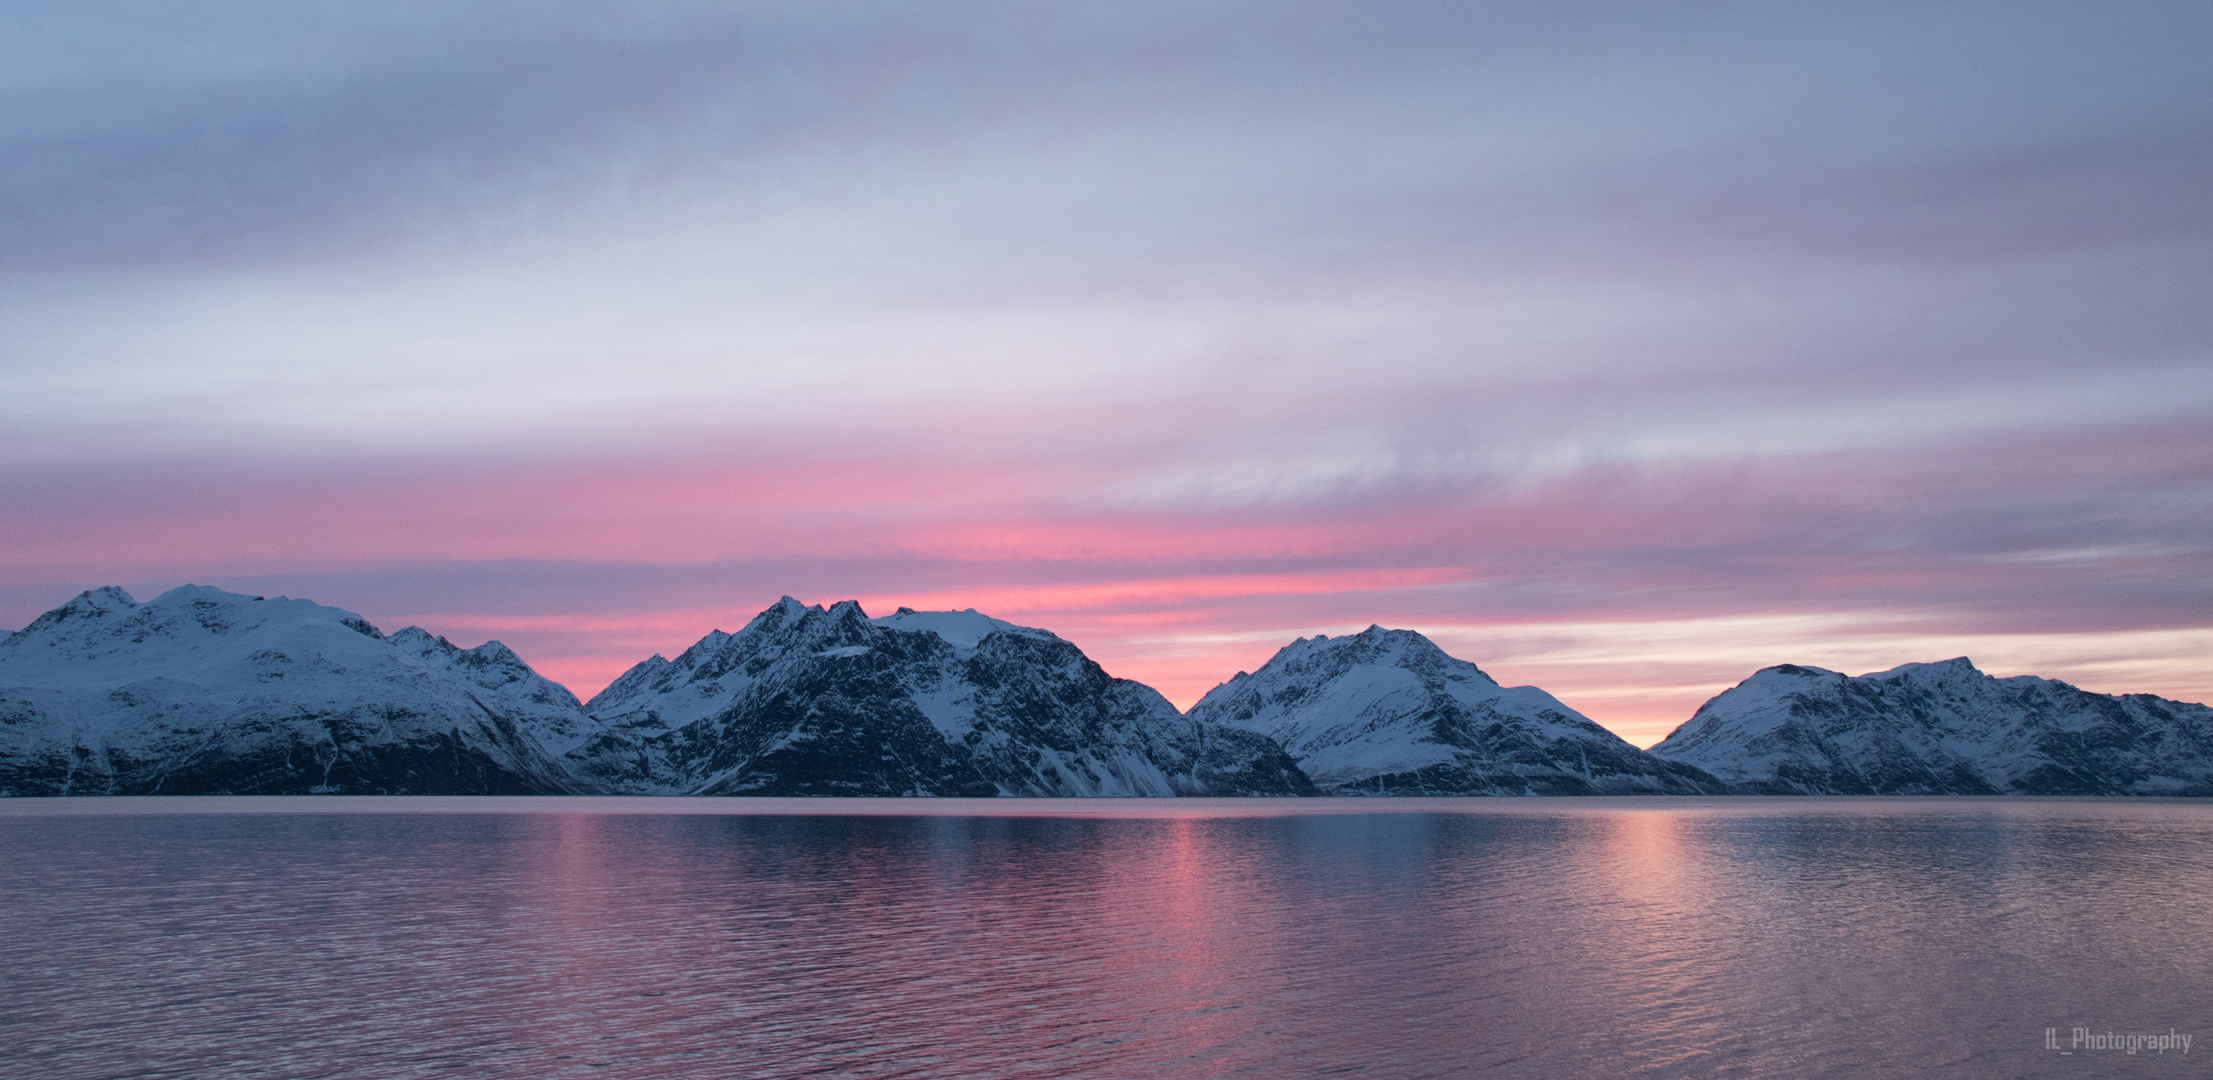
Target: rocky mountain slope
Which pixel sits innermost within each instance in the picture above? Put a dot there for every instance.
(1386, 712)
(1944, 728)
(825, 701)
(202, 691)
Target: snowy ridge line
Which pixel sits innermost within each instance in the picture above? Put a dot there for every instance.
(1943, 729)
(211, 692)
(1387, 712)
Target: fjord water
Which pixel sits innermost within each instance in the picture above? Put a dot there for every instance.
(1137, 938)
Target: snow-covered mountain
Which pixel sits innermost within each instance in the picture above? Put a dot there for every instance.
(1944, 728)
(1386, 712)
(825, 701)
(202, 691)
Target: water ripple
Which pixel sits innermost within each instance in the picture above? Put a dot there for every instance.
(1515, 938)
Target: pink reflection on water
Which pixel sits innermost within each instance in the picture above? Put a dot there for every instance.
(1528, 938)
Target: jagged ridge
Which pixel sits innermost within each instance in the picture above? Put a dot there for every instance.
(827, 701)
(1943, 728)
(1387, 712)
(203, 691)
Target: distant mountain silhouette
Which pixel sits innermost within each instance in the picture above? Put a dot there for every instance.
(202, 691)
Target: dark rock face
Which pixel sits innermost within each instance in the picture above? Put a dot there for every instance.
(1386, 712)
(205, 692)
(841, 726)
(826, 701)
(342, 763)
(1943, 729)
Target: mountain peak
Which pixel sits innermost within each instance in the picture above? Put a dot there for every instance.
(206, 691)
(89, 604)
(202, 594)
(1942, 728)
(963, 630)
(1955, 667)
(778, 615)
(1376, 645)
(107, 597)
(1388, 712)
(495, 652)
(417, 639)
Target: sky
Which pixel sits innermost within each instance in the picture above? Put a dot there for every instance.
(1623, 349)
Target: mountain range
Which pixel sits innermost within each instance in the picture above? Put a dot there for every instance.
(202, 691)
(1943, 729)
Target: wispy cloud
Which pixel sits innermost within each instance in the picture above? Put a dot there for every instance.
(1172, 328)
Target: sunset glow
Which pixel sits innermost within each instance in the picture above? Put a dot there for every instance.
(1621, 358)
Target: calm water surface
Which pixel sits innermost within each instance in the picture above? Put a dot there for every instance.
(381, 938)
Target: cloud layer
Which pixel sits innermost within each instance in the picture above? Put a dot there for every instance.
(1867, 332)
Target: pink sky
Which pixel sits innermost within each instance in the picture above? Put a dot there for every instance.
(1622, 355)
(1633, 592)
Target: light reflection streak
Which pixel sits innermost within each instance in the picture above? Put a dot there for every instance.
(1662, 938)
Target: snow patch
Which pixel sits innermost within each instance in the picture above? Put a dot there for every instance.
(963, 630)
